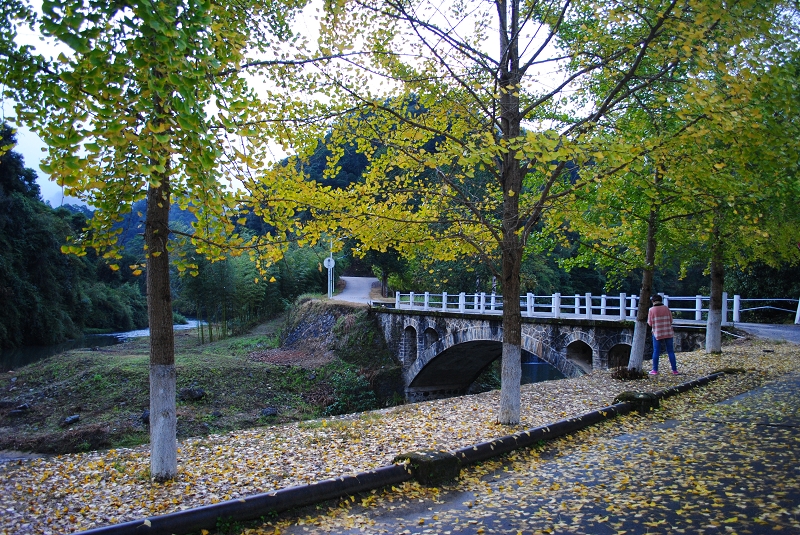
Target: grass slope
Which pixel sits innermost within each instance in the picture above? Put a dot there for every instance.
(230, 384)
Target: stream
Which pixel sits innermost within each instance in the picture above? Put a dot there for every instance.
(11, 359)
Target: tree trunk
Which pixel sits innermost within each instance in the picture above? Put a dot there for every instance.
(163, 443)
(511, 181)
(384, 283)
(640, 329)
(511, 369)
(200, 324)
(714, 324)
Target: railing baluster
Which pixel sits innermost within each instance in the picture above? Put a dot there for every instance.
(725, 308)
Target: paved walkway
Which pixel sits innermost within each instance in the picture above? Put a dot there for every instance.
(732, 469)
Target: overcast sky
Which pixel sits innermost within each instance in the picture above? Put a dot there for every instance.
(28, 143)
(30, 147)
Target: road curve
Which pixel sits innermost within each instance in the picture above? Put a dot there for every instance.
(356, 289)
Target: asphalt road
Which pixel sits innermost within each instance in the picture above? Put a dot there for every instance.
(790, 333)
(356, 289)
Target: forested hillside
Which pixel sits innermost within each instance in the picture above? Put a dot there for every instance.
(48, 296)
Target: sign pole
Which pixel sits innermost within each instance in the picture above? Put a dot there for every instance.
(329, 263)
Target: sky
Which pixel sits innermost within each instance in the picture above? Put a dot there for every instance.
(30, 146)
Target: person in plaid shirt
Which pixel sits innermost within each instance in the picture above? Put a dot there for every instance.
(659, 318)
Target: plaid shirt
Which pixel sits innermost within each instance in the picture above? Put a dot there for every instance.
(659, 317)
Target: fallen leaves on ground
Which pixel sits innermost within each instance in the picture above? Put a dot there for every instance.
(732, 477)
(77, 492)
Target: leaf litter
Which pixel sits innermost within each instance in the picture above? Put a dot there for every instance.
(69, 493)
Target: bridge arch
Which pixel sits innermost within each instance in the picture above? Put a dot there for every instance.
(408, 346)
(619, 355)
(581, 349)
(450, 364)
(581, 355)
(615, 349)
(431, 337)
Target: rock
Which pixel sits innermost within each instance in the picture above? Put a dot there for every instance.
(191, 394)
(24, 407)
(216, 414)
(69, 420)
(311, 376)
(145, 417)
(269, 411)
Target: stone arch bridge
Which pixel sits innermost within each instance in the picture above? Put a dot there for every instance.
(443, 353)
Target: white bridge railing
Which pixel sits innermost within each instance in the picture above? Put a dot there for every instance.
(588, 306)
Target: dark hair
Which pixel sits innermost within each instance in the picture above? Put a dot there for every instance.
(656, 298)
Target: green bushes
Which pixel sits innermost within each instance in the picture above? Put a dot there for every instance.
(352, 390)
(113, 309)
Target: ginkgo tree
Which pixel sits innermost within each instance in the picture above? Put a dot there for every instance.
(714, 165)
(477, 118)
(146, 101)
(747, 169)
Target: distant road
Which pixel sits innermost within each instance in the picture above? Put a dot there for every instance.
(790, 333)
(356, 289)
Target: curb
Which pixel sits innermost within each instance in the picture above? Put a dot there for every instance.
(258, 505)
(252, 507)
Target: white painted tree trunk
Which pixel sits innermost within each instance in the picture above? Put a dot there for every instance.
(163, 444)
(715, 304)
(510, 377)
(714, 332)
(637, 345)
